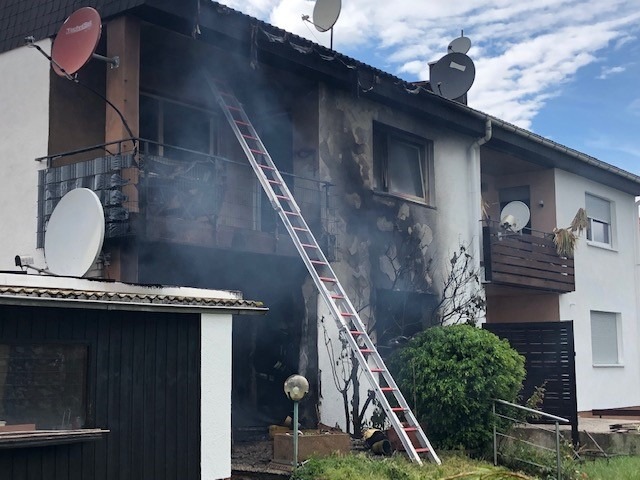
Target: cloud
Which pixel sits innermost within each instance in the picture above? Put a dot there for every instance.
(634, 107)
(524, 52)
(606, 72)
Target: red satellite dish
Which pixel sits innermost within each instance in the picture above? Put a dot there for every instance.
(76, 41)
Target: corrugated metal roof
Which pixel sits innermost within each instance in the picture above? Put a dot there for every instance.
(124, 300)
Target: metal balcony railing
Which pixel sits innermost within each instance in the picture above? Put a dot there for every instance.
(164, 192)
(525, 259)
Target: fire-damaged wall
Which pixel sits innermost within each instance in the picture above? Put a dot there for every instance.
(385, 240)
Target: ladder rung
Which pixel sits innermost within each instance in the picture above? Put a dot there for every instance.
(275, 182)
(282, 197)
(240, 122)
(308, 245)
(328, 279)
(387, 389)
(260, 152)
(422, 450)
(378, 370)
(286, 212)
(335, 297)
(410, 429)
(301, 229)
(231, 107)
(398, 409)
(266, 167)
(367, 350)
(250, 137)
(318, 262)
(347, 314)
(356, 333)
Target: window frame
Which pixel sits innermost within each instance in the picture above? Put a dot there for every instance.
(615, 317)
(593, 218)
(382, 136)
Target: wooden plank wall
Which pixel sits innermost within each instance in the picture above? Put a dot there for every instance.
(526, 260)
(143, 384)
(549, 352)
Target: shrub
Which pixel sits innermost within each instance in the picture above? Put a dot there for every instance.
(450, 376)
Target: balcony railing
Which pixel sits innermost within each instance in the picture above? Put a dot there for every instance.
(526, 260)
(167, 193)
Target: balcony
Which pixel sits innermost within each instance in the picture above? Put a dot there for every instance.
(525, 260)
(169, 194)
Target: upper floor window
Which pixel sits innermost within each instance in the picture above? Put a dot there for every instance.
(402, 163)
(177, 130)
(599, 215)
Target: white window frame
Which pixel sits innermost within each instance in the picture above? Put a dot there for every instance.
(595, 217)
(598, 318)
(383, 136)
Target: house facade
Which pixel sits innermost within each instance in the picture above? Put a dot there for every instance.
(391, 178)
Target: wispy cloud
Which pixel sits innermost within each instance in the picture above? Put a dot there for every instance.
(634, 106)
(525, 52)
(606, 72)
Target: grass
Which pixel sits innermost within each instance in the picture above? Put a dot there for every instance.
(454, 467)
(357, 467)
(617, 468)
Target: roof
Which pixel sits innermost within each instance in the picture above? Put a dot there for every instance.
(81, 293)
(218, 23)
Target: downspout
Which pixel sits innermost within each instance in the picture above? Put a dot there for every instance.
(475, 196)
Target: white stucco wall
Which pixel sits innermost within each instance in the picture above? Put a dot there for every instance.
(215, 403)
(450, 214)
(24, 123)
(605, 281)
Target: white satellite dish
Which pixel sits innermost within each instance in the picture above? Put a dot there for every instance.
(326, 13)
(515, 216)
(75, 233)
(461, 44)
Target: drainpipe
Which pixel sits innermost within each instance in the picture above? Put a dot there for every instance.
(475, 195)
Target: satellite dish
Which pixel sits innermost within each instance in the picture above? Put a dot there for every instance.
(461, 44)
(74, 233)
(326, 13)
(515, 216)
(452, 75)
(76, 41)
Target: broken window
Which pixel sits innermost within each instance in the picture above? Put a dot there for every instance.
(402, 163)
(42, 386)
(176, 130)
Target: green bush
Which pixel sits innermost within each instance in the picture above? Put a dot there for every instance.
(450, 375)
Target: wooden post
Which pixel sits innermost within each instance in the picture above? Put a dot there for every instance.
(123, 90)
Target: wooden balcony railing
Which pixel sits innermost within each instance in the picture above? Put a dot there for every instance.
(526, 260)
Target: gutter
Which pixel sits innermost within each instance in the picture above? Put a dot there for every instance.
(475, 195)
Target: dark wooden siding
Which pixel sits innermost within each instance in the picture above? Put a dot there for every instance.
(549, 354)
(143, 384)
(525, 260)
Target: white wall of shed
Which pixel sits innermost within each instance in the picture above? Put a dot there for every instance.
(215, 397)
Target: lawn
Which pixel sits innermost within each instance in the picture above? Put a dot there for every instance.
(456, 467)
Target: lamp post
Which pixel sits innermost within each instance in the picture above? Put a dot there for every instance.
(296, 387)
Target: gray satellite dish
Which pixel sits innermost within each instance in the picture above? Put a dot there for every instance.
(326, 13)
(461, 44)
(452, 75)
(75, 233)
(515, 216)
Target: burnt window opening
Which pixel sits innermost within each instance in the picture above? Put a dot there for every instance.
(403, 163)
(43, 386)
(177, 130)
(400, 315)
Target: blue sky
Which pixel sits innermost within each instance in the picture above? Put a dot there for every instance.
(566, 69)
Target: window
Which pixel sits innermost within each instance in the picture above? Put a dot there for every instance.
(605, 338)
(172, 124)
(402, 163)
(599, 215)
(42, 386)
